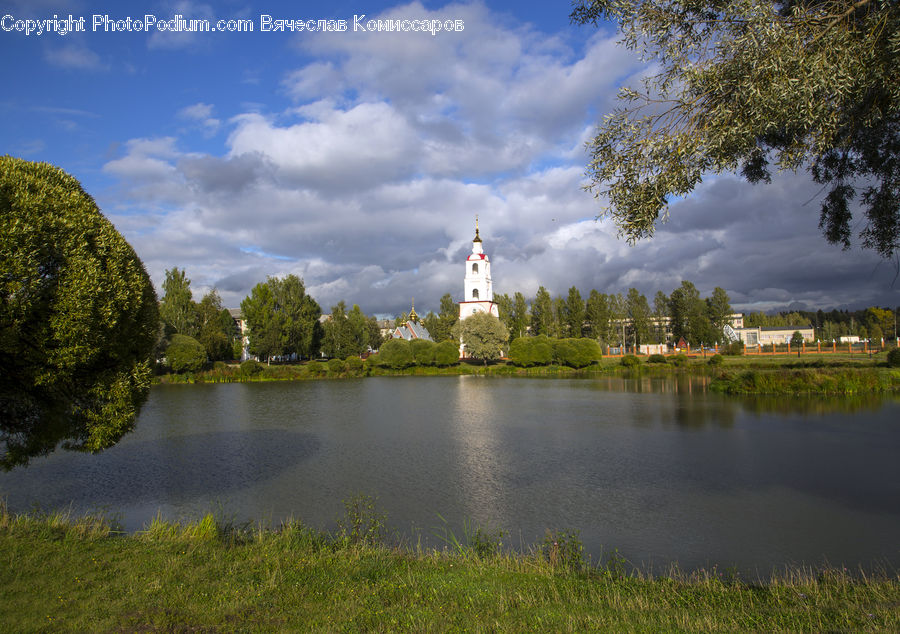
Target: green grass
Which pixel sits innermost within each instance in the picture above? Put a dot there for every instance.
(782, 374)
(829, 381)
(77, 574)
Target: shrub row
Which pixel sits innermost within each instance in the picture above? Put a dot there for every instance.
(399, 353)
(526, 352)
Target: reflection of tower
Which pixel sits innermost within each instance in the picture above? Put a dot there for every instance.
(479, 455)
(479, 293)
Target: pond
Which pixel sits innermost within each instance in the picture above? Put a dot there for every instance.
(656, 468)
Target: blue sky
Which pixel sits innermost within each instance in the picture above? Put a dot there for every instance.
(359, 160)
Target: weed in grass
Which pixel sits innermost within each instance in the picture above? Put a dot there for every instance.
(563, 550)
(481, 542)
(362, 524)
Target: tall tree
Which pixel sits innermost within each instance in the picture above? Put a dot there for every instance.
(638, 312)
(812, 85)
(359, 330)
(282, 318)
(558, 325)
(689, 317)
(718, 310)
(575, 312)
(598, 316)
(541, 313)
(263, 322)
(337, 338)
(520, 316)
(216, 330)
(660, 316)
(504, 308)
(617, 315)
(78, 318)
(177, 308)
(374, 330)
(302, 330)
(449, 315)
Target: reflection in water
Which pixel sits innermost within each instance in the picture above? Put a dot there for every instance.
(812, 405)
(478, 450)
(656, 467)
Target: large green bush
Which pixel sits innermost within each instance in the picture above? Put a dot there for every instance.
(630, 361)
(78, 318)
(422, 351)
(316, 368)
(395, 354)
(893, 358)
(335, 366)
(185, 354)
(526, 352)
(251, 367)
(576, 353)
(656, 358)
(446, 353)
(520, 352)
(354, 365)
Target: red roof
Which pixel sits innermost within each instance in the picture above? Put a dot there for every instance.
(475, 256)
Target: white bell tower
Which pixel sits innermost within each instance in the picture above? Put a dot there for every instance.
(479, 292)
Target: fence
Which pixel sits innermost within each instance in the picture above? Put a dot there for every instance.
(819, 347)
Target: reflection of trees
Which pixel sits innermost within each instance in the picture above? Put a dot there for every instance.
(692, 405)
(642, 383)
(815, 405)
(692, 411)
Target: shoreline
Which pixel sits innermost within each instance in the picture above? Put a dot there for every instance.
(734, 375)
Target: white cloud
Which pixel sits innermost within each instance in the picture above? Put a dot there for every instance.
(367, 186)
(202, 114)
(183, 38)
(75, 56)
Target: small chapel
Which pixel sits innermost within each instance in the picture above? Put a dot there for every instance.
(479, 292)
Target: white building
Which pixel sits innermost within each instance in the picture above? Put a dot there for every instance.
(479, 291)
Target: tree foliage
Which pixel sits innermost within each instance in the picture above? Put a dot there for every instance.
(526, 352)
(576, 352)
(282, 318)
(216, 327)
(337, 337)
(483, 335)
(795, 84)
(396, 354)
(574, 313)
(639, 316)
(541, 312)
(422, 351)
(718, 310)
(689, 317)
(177, 308)
(185, 354)
(446, 353)
(78, 318)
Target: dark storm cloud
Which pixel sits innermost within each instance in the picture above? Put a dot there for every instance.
(228, 175)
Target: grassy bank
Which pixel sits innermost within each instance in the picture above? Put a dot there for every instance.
(833, 374)
(64, 574)
(808, 380)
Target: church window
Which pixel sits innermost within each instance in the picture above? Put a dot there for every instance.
(474, 293)
(475, 269)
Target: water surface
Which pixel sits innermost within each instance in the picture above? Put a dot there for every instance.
(656, 468)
